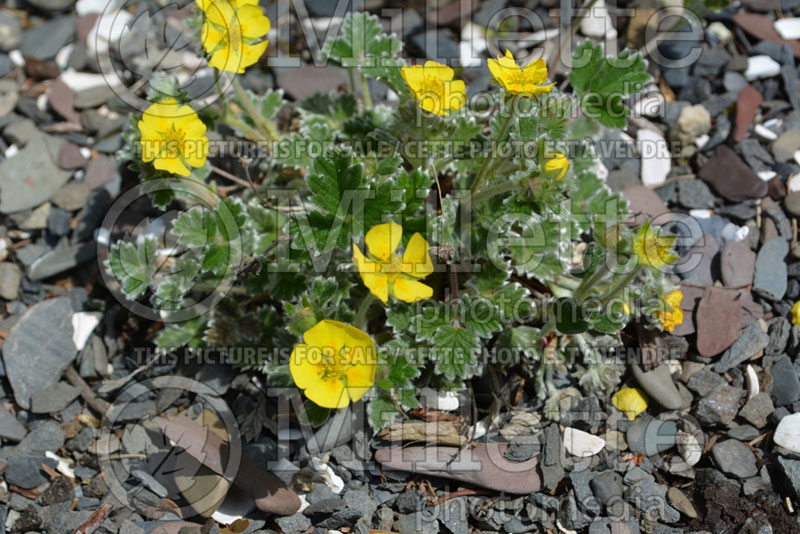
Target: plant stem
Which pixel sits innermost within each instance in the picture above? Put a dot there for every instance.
(361, 315)
(503, 130)
(619, 285)
(265, 125)
(496, 189)
(365, 91)
(219, 90)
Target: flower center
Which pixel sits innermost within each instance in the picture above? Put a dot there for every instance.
(431, 86)
(173, 140)
(335, 366)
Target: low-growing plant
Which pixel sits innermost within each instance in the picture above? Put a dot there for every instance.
(376, 249)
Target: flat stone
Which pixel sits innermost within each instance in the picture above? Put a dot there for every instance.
(607, 487)
(70, 157)
(10, 428)
(787, 434)
(659, 385)
(788, 28)
(704, 270)
(10, 280)
(757, 409)
(44, 42)
(744, 433)
(746, 106)
(786, 145)
(32, 175)
(551, 463)
(771, 276)
(752, 341)
(734, 458)
(72, 196)
(39, 348)
(100, 171)
(644, 200)
(737, 264)
(731, 177)
(695, 194)
(62, 100)
(417, 523)
(651, 437)
(704, 382)
(25, 471)
(681, 503)
(791, 468)
(54, 399)
(61, 259)
(720, 406)
(785, 383)
(718, 319)
(497, 473)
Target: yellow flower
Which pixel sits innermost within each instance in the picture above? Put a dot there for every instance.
(335, 365)
(669, 319)
(630, 401)
(520, 80)
(434, 88)
(231, 33)
(385, 271)
(652, 249)
(796, 313)
(556, 165)
(173, 137)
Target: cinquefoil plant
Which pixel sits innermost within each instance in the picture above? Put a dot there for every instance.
(383, 248)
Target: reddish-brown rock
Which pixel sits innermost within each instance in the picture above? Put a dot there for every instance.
(747, 104)
(719, 320)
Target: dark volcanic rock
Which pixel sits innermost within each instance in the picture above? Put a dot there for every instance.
(731, 177)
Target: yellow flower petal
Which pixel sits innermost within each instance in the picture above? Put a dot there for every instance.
(329, 393)
(556, 165)
(520, 80)
(370, 272)
(409, 290)
(382, 240)
(433, 87)
(326, 335)
(252, 21)
(305, 372)
(630, 401)
(171, 165)
(670, 318)
(796, 313)
(416, 260)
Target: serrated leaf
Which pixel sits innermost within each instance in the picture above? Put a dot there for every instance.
(602, 82)
(333, 174)
(381, 411)
(133, 266)
(430, 319)
(480, 315)
(185, 334)
(455, 351)
(195, 228)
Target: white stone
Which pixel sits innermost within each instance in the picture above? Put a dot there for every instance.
(82, 81)
(797, 157)
(331, 479)
(720, 31)
(597, 22)
(753, 388)
(11, 151)
(794, 183)
(765, 133)
(787, 435)
(733, 232)
(17, 58)
(761, 67)
(62, 464)
(767, 175)
(651, 105)
(446, 401)
(107, 30)
(688, 447)
(702, 141)
(83, 324)
(788, 28)
(473, 43)
(655, 155)
(62, 57)
(582, 444)
(236, 505)
(85, 7)
(701, 214)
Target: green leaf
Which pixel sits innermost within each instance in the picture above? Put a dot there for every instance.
(601, 83)
(569, 316)
(400, 316)
(185, 334)
(415, 186)
(133, 266)
(455, 351)
(381, 411)
(430, 319)
(593, 258)
(195, 228)
(333, 174)
(269, 104)
(480, 315)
